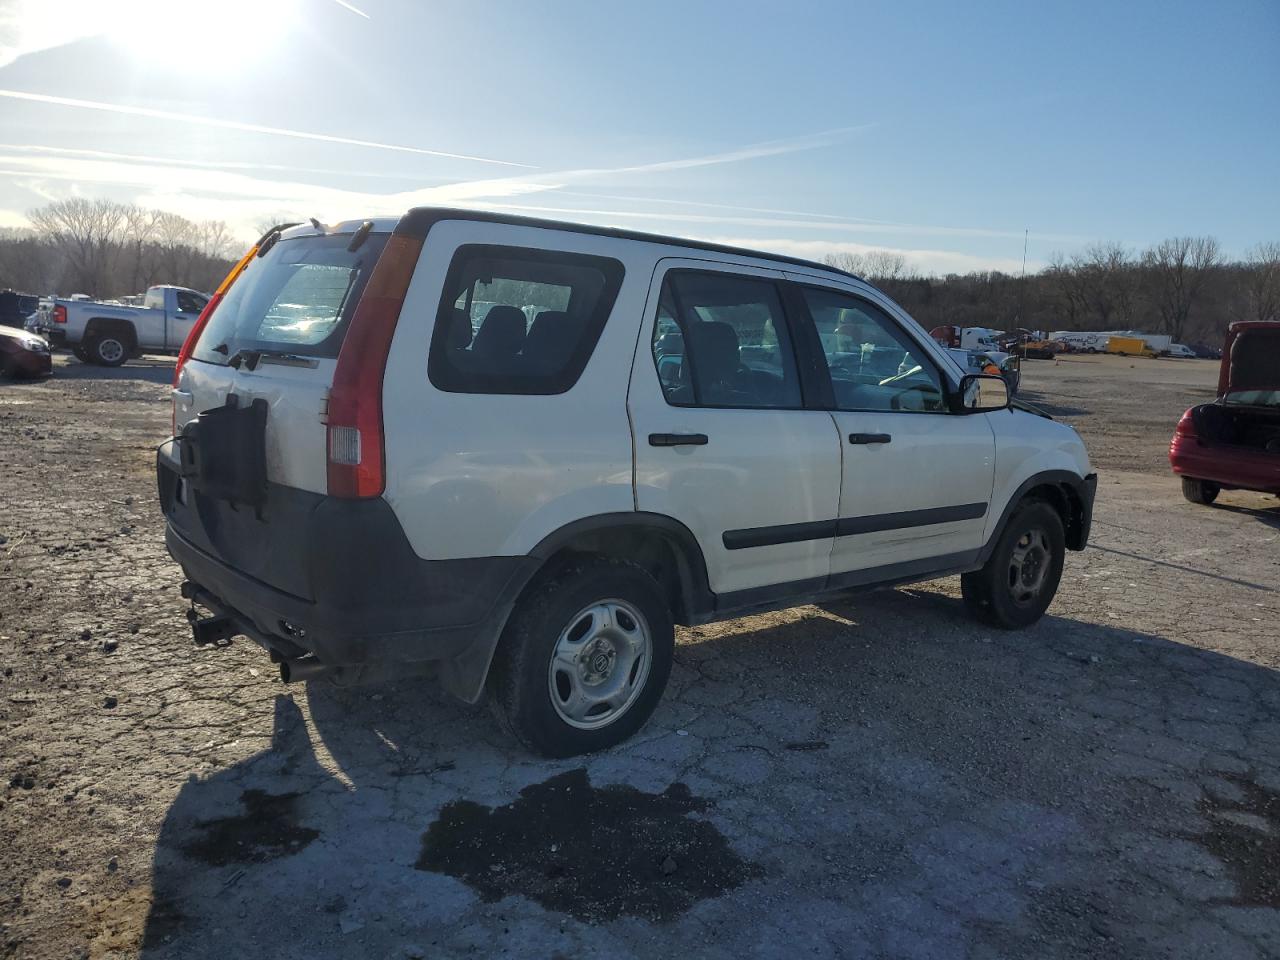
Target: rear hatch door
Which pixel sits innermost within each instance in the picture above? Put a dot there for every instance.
(273, 338)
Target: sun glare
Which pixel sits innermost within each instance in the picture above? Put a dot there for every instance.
(203, 33)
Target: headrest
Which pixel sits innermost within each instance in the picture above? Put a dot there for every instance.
(714, 346)
(502, 333)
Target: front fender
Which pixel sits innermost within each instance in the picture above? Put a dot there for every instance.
(1032, 451)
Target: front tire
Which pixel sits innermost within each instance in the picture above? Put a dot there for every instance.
(1021, 577)
(108, 350)
(584, 659)
(1200, 491)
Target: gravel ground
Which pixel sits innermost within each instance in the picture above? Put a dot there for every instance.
(877, 777)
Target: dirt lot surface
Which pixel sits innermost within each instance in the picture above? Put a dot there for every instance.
(873, 778)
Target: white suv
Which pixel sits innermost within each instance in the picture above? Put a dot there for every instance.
(519, 451)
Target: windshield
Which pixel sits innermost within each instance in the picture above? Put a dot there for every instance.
(298, 298)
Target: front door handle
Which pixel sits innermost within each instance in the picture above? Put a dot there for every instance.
(677, 439)
(869, 438)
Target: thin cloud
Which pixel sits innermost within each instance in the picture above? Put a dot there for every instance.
(927, 261)
(208, 164)
(846, 225)
(356, 10)
(769, 148)
(556, 180)
(162, 179)
(245, 127)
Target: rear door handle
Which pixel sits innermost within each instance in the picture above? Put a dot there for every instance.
(870, 438)
(677, 440)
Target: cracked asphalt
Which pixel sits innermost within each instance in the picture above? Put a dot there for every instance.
(877, 776)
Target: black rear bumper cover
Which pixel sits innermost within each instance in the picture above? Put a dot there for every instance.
(374, 599)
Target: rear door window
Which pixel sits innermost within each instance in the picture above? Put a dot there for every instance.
(297, 298)
(721, 340)
(519, 320)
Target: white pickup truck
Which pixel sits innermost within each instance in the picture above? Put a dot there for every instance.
(109, 334)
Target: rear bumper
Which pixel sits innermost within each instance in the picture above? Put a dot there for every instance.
(1238, 468)
(363, 597)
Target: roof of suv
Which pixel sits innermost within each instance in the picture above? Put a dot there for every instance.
(420, 219)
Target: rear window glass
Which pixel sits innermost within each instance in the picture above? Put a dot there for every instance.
(297, 298)
(518, 320)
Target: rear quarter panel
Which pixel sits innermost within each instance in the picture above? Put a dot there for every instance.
(476, 475)
(148, 324)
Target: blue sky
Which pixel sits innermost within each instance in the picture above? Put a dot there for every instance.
(940, 130)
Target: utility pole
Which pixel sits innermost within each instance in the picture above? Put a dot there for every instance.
(1022, 280)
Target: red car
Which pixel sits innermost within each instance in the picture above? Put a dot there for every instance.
(1234, 442)
(23, 354)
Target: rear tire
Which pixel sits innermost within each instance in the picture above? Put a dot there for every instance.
(1200, 491)
(1021, 577)
(108, 350)
(584, 658)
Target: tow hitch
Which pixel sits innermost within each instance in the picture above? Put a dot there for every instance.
(211, 630)
(216, 630)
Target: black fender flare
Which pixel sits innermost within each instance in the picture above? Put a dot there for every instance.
(465, 675)
(695, 589)
(1079, 493)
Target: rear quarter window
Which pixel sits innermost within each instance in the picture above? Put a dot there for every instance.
(519, 320)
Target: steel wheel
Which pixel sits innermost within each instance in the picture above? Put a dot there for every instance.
(110, 350)
(600, 664)
(1029, 566)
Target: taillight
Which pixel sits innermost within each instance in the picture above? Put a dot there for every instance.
(355, 441)
(1186, 428)
(59, 314)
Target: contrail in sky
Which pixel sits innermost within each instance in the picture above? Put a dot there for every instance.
(343, 3)
(246, 127)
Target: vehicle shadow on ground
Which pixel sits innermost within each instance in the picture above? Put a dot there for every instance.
(1270, 516)
(1049, 407)
(875, 738)
(147, 368)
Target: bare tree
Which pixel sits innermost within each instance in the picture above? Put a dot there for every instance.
(1066, 282)
(877, 265)
(28, 262)
(1178, 269)
(1105, 282)
(140, 230)
(1263, 281)
(89, 233)
(215, 240)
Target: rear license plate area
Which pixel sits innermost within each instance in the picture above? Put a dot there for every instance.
(224, 454)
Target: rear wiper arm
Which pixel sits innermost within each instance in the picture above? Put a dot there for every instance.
(244, 357)
(251, 358)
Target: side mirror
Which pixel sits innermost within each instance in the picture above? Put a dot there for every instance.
(981, 392)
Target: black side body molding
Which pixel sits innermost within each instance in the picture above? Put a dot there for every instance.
(849, 526)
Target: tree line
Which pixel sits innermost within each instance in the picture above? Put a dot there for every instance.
(107, 249)
(1182, 286)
